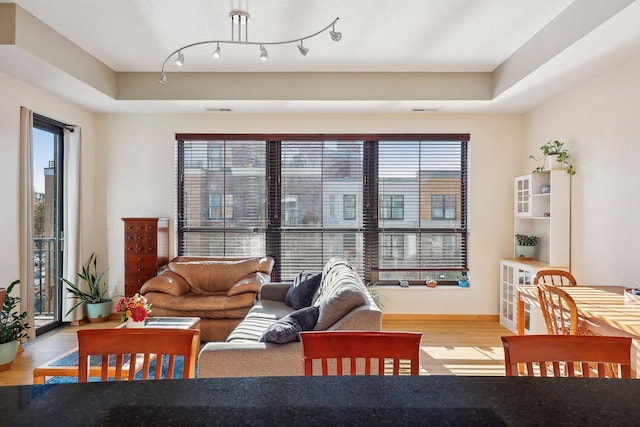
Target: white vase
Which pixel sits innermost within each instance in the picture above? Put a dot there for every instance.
(133, 324)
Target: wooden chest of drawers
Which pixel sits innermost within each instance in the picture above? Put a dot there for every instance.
(146, 250)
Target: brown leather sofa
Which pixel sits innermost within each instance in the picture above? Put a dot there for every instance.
(220, 291)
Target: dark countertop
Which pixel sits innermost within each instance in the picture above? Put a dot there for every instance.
(327, 401)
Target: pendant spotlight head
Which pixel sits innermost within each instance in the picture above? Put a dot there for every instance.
(263, 53)
(180, 59)
(335, 35)
(303, 50)
(216, 53)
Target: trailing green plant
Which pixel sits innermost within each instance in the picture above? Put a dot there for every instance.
(90, 276)
(375, 295)
(13, 325)
(525, 240)
(554, 148)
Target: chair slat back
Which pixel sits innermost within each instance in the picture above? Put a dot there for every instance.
(123, 352)
(559, 310)
(361, 352)
(555, 278)
(567, 355)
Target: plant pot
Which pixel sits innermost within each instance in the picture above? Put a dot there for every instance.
(98, 312)
(463, 283)
(130, 323)
(432, 283)
(525, 251)
(551, 162)
(8, 354)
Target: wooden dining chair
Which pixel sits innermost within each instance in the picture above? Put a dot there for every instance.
(559, 310)
(567, 355)
(3, 293)
(555, 278)
(123, 352)
(361, 352)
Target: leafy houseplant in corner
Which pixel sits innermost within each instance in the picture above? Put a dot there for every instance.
(554, 156)
(98, 304)
(12, 327)
(526, 246)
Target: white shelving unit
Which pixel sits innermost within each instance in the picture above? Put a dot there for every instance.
(542, 207)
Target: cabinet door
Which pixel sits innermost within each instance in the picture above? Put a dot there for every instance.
(525, 278)
(523, 195)
(507, 295)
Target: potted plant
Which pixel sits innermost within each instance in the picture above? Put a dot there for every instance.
(96, 300)
(12, 328)
(133, 310)
(463, 280)
(553, 153)
(526, 246)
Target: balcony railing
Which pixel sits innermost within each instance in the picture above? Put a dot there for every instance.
(44, 280)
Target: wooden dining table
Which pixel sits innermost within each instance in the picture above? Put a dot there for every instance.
(604, 310)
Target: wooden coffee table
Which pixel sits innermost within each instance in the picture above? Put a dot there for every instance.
(53, 368)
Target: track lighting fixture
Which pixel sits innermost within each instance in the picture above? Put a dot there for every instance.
(239, 35)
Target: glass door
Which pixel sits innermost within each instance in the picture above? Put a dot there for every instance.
(47, 222)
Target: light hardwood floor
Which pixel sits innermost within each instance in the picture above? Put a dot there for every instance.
(449, 347)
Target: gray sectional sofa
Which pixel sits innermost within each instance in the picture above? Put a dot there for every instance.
(341, 302)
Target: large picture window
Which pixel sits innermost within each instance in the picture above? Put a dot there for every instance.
(403, 197)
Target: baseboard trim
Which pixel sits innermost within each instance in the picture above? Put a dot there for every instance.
(419, 317)
(84, 321)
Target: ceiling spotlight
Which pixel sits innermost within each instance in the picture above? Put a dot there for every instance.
(163, 79)
(216, 53)
(303, 50)
(180, 59)
(263, 53)
(335, 35)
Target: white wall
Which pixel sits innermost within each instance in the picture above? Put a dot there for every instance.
(13, 95)
(599, 121)
(135, 177)
(128, 171)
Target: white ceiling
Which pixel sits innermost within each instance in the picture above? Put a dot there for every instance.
(529, 50)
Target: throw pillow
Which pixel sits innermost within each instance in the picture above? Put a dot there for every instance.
(342, 291)
(302, 290)
(289, 327)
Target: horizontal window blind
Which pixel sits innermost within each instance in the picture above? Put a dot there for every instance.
(316, 178)
(422, 213)
(222, 198)
(393, 207)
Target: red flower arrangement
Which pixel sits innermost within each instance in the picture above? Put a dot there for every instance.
(137, 308)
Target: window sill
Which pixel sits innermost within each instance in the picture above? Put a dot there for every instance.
(421, 287)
